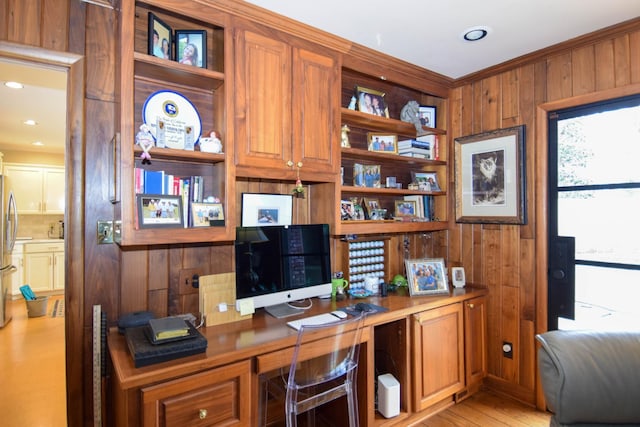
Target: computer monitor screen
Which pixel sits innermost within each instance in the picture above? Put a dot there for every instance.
(279, 264)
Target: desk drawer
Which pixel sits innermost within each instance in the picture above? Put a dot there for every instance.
(214, 397)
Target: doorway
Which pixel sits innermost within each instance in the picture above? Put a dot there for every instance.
(594, 203)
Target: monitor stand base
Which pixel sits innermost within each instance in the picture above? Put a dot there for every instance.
(283, 310)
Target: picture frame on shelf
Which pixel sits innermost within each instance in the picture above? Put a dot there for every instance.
(382, 143)
(372, 176)
(207, 214)
(371, 101)
(263, 210)
(358, 210)
(427, 181)
(391, 182)
(426, 276)
(490, 177)
(378, 214)
(405, 208)
(371, 203)
(191, 47)
(159, 38)
(347, 211)
(457, 277)
(427, 115)
(358, 175)
(159, 211)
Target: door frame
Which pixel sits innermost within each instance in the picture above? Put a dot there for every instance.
(74, 66)
(541, 194)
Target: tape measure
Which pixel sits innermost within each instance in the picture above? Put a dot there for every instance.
(97, 366)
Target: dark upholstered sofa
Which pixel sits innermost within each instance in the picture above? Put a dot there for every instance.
(591, 378)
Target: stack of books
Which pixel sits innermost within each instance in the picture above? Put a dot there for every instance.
(423, 147)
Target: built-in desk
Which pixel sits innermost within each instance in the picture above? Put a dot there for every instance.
(223, 383)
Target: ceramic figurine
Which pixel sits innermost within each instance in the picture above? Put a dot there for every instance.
(145, 140)
(211, 144)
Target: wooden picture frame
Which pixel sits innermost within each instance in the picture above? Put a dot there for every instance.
(382, 143)
(160, 42)
(405, 208)
(262, 210)
(207, 214)
(191, 47)
(159, 211)
(427, 276)
(371, 101)
(490, 177)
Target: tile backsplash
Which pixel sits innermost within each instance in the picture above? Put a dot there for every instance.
(38, 226)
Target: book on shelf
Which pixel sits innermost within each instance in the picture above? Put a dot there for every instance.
(415, 155)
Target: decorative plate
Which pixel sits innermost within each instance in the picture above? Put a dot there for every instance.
(172, 119)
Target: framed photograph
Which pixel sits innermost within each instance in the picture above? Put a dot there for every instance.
(383, 143)
(391, 182)
(490, 177)
(371, 204)
(266, 209)
(191, 47)
(358, 210)
(427, 181)
(427, 115)
(371, 102)
(405, 208)
(358, 175)
(347, 211)
(457, 277)
(207, 214)
(159, 38)
(426, 276)
(159, 210)
(372, 176)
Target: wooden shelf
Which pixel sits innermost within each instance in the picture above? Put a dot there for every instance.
(181, 155)
(383, 124)
(390, 191)
(389, 227)
(357, 154)
(152, 67)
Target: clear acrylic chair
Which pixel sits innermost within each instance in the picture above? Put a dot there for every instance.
(324, 368)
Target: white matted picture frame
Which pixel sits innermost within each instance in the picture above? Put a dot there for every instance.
(427, 276)
(266, 209)
(427, 115)
(490, 177)
(457, 277)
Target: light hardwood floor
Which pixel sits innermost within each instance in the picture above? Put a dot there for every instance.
(32, 369)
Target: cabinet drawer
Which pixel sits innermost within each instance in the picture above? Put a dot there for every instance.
(31, 248)
(215, 397)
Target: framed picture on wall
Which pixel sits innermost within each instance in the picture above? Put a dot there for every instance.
(266, 209)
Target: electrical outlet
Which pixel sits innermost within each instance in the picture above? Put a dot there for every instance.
(507, 349)
(189, 281)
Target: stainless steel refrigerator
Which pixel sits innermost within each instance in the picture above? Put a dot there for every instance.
(8, 232)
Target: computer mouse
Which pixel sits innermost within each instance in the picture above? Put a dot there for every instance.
(340, 314)
(363, 306)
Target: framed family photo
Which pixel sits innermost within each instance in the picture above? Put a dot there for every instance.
(490, 177)
(427, 115)
(159, 210)
(159, 38)
(427, 181)
(383, 143)
(266, 209)
(191, 47)
(207, 214)
(427, 276)
(405, 208)
(371, 102)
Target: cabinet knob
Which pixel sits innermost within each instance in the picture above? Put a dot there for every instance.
(471, 305)
(291, 164)
(202, 413)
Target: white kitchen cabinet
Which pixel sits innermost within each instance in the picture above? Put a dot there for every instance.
(44, 265)
(38, 190)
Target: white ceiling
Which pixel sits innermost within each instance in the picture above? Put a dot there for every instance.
(428, 32)
(423, 32)
(42, 99)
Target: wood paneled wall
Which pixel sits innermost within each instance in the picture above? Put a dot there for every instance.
(504, 258)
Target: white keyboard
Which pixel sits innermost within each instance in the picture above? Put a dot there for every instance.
(319, 319)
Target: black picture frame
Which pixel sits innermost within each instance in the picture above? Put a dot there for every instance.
(159, 211)
(427, 116)
(197, 41)
(165, 41)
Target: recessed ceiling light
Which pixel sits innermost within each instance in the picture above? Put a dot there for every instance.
(30, 122)
(38, 143)
(14, 85)
(475, 33)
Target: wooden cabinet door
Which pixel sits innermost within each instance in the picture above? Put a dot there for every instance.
(26, 184)
(220, 396)
(315, 109)
(263, 101)
(38, 271)
(54, 191)
(475, 339)
(438, 354)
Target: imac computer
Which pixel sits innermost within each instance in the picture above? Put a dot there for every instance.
(276, 265)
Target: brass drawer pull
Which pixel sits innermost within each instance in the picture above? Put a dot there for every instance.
(202, 414)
